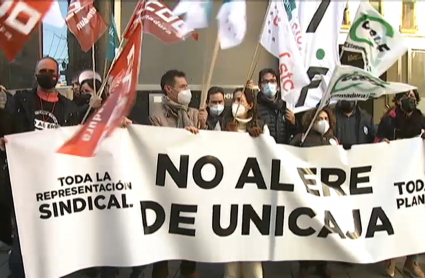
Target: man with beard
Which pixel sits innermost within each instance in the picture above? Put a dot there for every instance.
(272, 109)
(217, 111)
(353, 124)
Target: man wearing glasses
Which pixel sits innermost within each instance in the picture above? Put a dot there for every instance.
(272, 109)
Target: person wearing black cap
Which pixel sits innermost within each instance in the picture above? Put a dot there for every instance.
(402, 121)
(353, 124)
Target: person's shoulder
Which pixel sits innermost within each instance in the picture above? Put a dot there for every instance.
(296, 141)
(25, 92)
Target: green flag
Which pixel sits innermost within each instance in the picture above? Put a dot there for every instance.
(113, 41)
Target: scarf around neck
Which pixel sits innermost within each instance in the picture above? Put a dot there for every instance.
(181, 111)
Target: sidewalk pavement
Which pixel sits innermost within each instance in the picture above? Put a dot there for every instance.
(271, 270)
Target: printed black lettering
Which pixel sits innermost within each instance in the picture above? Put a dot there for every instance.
(97, 204)
(419, 185)
(383, 47)
(45, 213)
(61, 180)
(197, 172)
(293, 221)
(280, 217)
(309, 182)
(275, 178)
(327, 176)
(262, 224)
(410, 187)
(330, 227)
(257, 178)
(358, 228)
(165, 165)
(311, 72)
(39, 197)
(355, 180)
(113, 202)
(65, 206)
(159, 219)
(378, 214)
(176, 219)
(318, 16)
(216, 221)
(400, 203)
(79, 204)
(400, 188)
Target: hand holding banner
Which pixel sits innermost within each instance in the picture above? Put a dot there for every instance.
(17, 21)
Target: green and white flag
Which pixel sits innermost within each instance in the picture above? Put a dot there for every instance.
(379, 43)
(231, 23)
(292, 12)
(352, 83)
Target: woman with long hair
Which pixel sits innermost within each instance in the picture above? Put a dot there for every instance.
(245, 119)
(322, 132)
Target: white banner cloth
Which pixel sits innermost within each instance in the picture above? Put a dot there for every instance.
(130, 168)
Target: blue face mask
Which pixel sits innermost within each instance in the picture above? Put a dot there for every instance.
(270, 90)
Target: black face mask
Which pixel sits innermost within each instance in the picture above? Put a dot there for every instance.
(82, 99)
(47, 81)
(408, 104)
(347, 106)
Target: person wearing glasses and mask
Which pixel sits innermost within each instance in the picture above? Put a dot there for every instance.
(353, 124)
(272, 109)
(217, 111)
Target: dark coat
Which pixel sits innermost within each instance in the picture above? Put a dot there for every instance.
(273, 115)
(22, 107)
(395, 125)
(313, 139)
(365, 128)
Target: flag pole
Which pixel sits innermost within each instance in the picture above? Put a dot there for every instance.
(93, 55)
(210, 72)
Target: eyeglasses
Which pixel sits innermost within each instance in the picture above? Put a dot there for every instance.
(267, 81)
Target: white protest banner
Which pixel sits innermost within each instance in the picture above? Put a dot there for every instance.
(352, 83)
(321, 23)
(292, 12)
(154, 194)
(379, 43)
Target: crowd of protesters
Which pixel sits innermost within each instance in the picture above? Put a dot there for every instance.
(257, 113)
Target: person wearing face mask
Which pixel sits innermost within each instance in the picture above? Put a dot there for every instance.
(402, 121)
(245, 119)
(217, 111)
(175, 110)
(39, 108)
(320, 135)
(87, 97)
(75, 86)
(322, 132)
(272, 109)
(353, 124)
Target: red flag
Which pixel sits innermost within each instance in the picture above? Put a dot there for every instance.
(85, 23)
(17, 21)
(123, 77)
(159, 20)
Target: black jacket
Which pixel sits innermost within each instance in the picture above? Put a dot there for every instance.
(223, 119)
(395, 125)
(364, 126)
(272, 113)
(313, 139)
(22, 107)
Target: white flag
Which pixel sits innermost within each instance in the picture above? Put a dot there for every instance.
(292, 12)
(380, 44)
(54, 16)
(197, 12)
(320, 22)
(277, 38)
(232, 23)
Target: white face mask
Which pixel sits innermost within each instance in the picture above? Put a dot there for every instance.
(216, 110)
(184, 97)
(241, 110)
(270, 90)
(322, 126)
